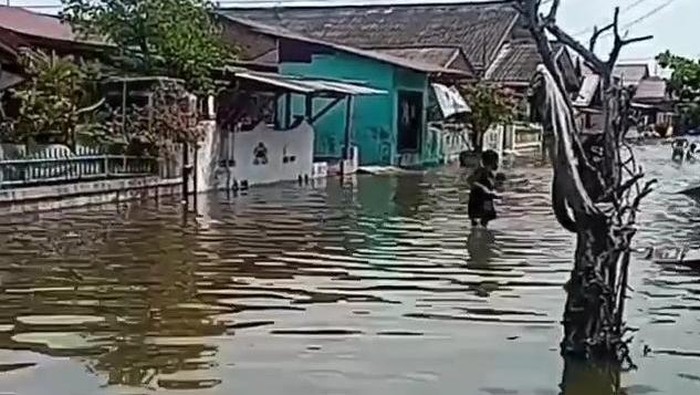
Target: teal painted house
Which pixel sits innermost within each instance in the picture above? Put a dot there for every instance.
(389, 129)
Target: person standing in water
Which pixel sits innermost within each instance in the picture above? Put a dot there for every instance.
(482, 194)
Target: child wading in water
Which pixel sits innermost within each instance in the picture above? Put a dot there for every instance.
(482, 182)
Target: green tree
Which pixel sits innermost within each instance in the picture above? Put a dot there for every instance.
(178, 38)
(56, 102)
(684, 84)
(490, 105)
(161, 126)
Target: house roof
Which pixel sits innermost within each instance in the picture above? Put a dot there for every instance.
(478, 28)
(279, 32)
(631, 73)
(30, 24)
(447, 57)
(306, 85)
(651, 89)
(7, 50)
(517, 62)
(270, 57)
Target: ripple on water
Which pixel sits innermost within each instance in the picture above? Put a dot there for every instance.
(386, 269)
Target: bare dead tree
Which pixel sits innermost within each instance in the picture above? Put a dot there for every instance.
(595, 194)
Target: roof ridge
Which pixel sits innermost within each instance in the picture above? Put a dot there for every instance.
(415, 46)
(373, 5)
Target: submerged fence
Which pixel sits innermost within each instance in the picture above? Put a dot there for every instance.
(56, 164)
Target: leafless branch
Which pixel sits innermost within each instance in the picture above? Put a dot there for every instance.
(596, 34)
(620, 42)
(552, 15)
(598, 65)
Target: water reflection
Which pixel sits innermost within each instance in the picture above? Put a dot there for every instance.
(374, 285)
(583, 379)
(480, 244)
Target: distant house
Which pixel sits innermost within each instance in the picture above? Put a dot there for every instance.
(388, 129)
(631, 74)
(653, 103)
(478, 29)
(517, 62)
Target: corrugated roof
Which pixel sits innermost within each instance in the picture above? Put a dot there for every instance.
(279, 32)
(307, 85)
(651, 89)
(517, 62)
(631, 73)
(479, 28)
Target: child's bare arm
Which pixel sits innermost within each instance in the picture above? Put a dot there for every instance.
(486, 190)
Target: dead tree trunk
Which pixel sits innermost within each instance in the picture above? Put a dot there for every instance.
(594, 195)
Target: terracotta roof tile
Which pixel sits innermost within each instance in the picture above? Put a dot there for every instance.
(35, 25)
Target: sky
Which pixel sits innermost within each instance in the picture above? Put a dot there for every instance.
(667, 20)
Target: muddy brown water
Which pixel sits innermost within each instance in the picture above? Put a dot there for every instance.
(376, 286)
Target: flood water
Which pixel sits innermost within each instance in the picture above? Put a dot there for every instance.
(377, 286)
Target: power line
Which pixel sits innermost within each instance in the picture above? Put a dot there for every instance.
(628, 8)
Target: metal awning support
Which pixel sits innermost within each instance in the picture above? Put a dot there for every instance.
(311, 89)
(325, 109)
(309, 106)
(287, 109)
(348, 128)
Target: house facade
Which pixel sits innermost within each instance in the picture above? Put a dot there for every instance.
(388, 130)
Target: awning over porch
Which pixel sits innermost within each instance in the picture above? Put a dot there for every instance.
(642, 106)
(317, 87)
(450, 100)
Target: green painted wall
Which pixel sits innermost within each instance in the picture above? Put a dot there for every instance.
(374, 118)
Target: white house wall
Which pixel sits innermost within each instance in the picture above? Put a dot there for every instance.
(287, 155)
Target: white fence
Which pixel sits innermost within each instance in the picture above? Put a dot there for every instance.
(521, 137)
(57, 164)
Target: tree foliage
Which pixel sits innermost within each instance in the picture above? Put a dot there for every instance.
(684, 84)
(172, 37)
(159, 127)
(56, 102)
(490, 105)
(685, 77)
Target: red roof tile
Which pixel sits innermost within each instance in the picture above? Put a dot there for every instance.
(31, 24)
